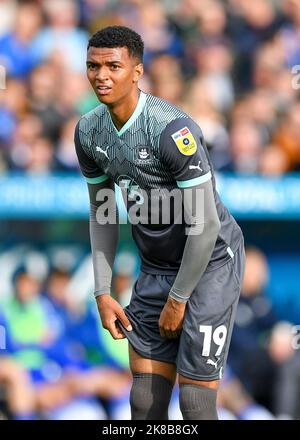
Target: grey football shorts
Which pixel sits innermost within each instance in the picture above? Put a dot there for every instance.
(201, 350)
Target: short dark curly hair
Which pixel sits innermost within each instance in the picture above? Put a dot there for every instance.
(119, 36)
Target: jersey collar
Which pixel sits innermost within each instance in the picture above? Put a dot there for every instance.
(137, 111)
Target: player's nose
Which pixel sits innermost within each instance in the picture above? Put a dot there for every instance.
(102, 74)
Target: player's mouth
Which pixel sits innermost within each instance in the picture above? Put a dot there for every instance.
(103, 90)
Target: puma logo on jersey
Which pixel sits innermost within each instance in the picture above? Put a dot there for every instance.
(196, 167)
(102, 151)
(214, 364)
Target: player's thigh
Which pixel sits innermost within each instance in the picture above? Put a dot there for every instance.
(214, 384)
(208, 323)
(139, 364)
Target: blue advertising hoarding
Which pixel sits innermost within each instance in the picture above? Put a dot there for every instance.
(66, 196)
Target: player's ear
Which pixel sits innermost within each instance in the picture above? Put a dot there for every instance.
(138, 72)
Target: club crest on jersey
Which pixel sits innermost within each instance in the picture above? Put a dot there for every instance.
(143, 153)
(185, 141)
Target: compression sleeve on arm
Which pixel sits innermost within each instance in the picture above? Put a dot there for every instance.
(203, 233)
(183, 151)
(104, 236)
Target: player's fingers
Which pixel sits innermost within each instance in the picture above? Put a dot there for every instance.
(124, 320)
(115, 331)
(120, 328)
(166, 333)
(162, 332)
(119, 331)
(170, 334)
(175, 333)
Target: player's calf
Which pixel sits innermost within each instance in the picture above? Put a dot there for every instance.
(150, 397)
(198, 402)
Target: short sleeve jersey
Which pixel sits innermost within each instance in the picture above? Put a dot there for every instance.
(159, 148)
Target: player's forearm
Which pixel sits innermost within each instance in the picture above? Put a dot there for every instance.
(104, 240)
(198, 248)
(104, 237)
(195, 259)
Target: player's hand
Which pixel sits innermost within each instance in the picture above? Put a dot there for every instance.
(171, 319)
(109, 311)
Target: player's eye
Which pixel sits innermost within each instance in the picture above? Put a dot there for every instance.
(91, 66)
(115, 67)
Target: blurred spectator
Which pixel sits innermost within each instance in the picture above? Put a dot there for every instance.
(62, 38)
(268, 63)
(212, 19)
(252, 25)
(17, 48)
(262, 110)
(75, 88)
(40, 156)
(8, 9)
(44, 99)
(13, 105)
(233, 397)
(246, 146)
(18, 392)
(202, 56)
(159, 36)
(200, 104)
(285, 355)
(93, 368)
(166, 78)
(16, 396)
(274, 377)
(289, 33)
(214, 61)
(255, 318)
(27, 131)
(65, 153)
(273, 161)
(287, 136)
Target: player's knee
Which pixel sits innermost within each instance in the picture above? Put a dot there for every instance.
(198, 402)
(150, 396)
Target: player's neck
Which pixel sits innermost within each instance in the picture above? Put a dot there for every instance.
(122, 111)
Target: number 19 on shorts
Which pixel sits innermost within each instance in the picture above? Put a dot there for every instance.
(218, 337)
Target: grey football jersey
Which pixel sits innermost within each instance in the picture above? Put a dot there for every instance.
(159, 147)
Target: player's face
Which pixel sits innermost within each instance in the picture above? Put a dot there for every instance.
(113, 73)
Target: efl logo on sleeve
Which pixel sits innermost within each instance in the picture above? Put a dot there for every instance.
(185, 141)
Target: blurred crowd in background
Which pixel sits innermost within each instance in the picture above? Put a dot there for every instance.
(57, 362)
(226, 63)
